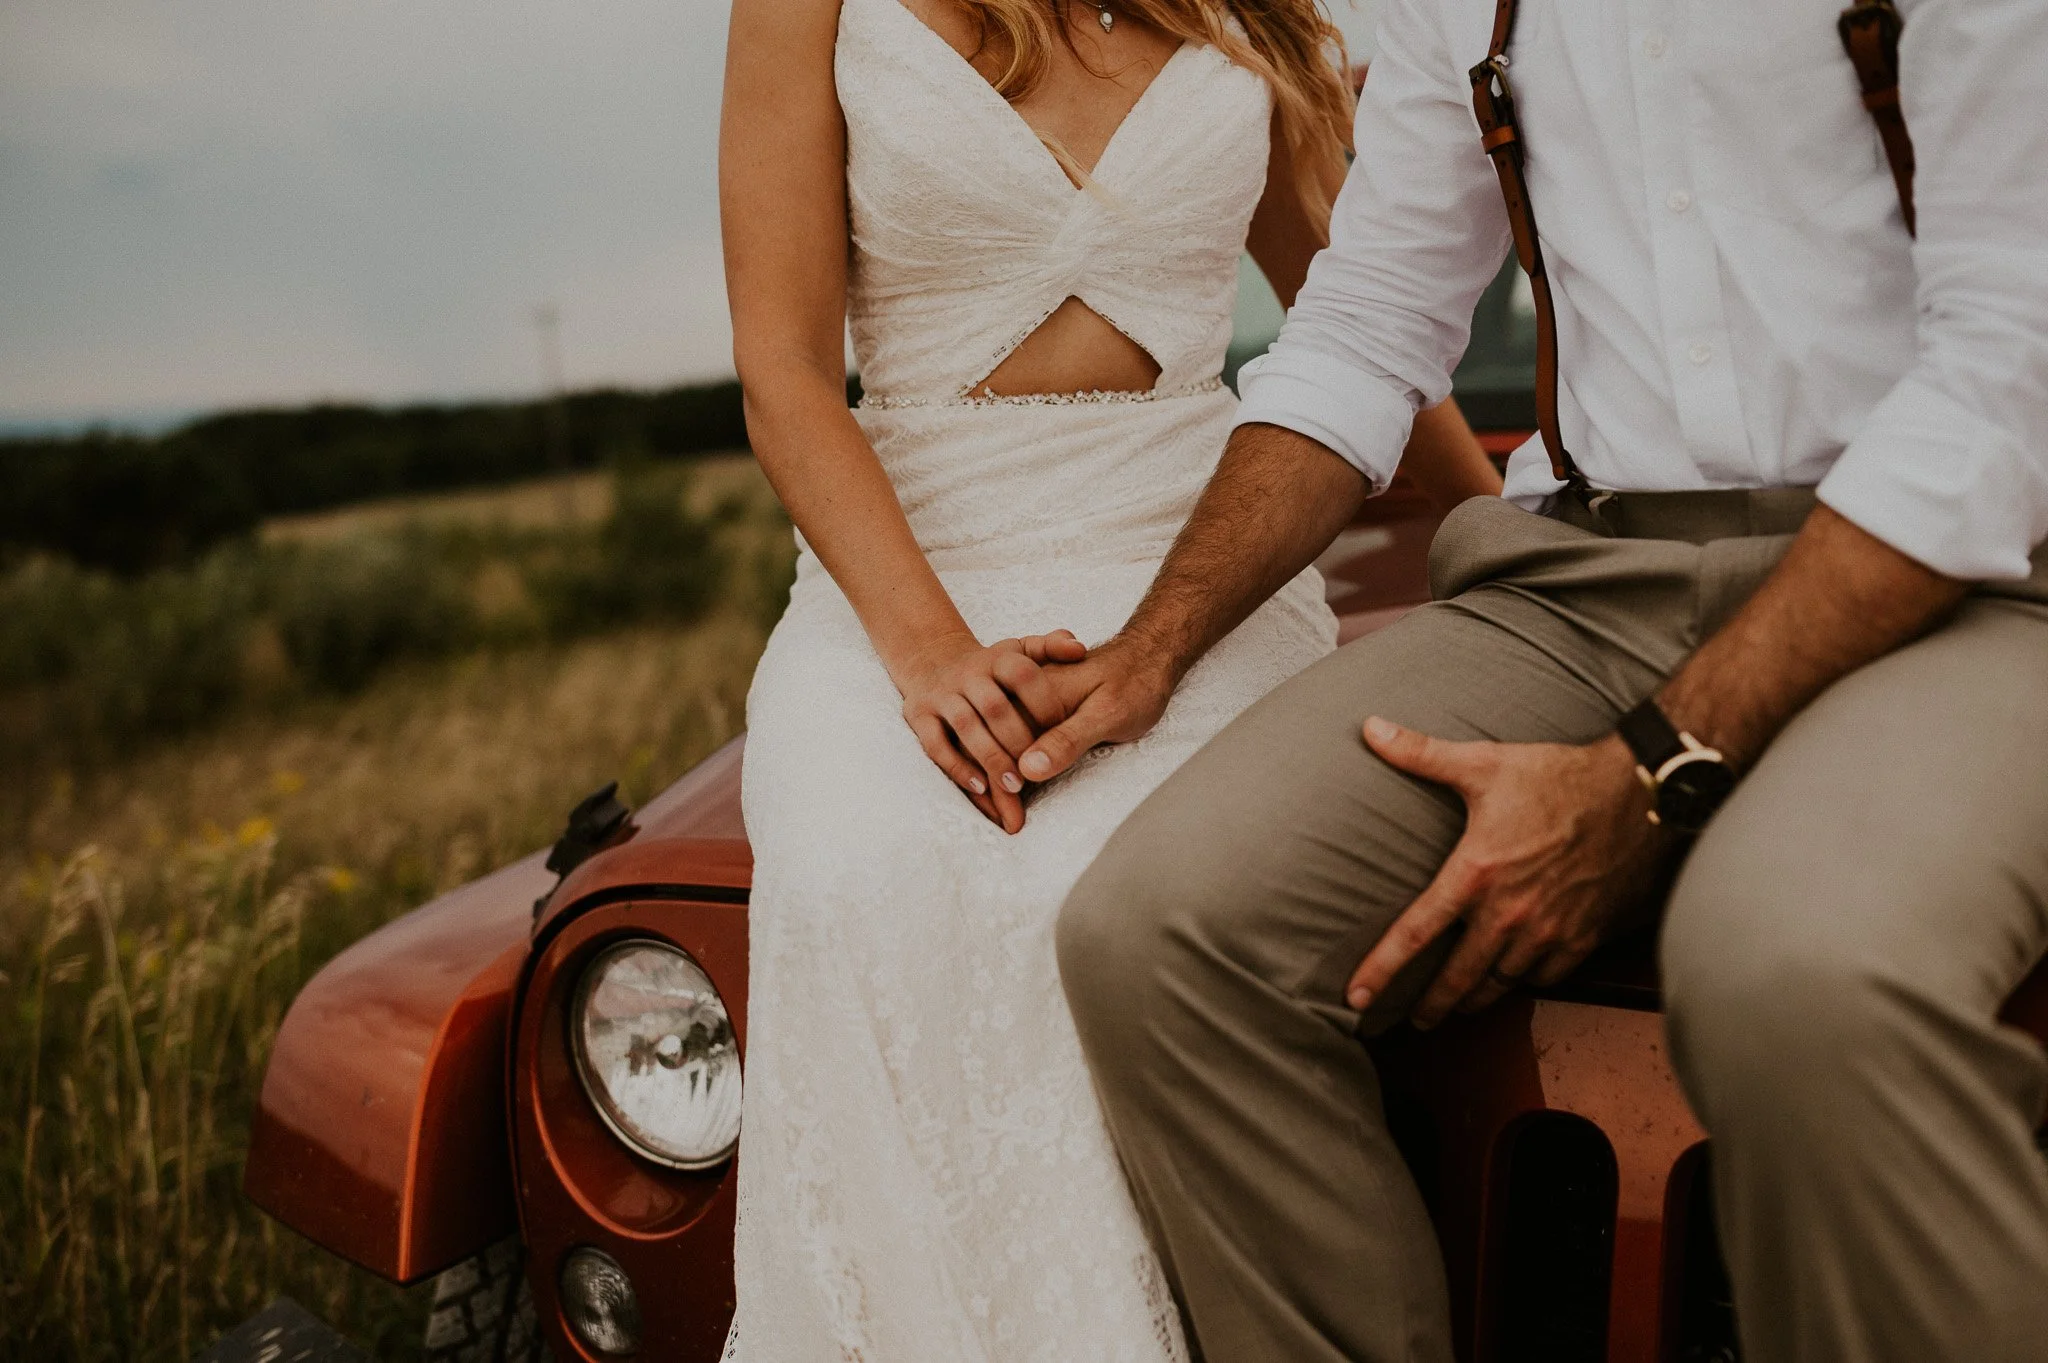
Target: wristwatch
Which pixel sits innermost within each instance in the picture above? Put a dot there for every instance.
(1687, 779)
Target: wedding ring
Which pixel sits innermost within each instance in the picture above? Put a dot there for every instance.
(1504, 981)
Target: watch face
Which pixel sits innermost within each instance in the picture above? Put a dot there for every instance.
(1692, 791)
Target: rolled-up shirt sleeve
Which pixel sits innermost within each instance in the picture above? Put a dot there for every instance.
(1417, 233)
(1951, 468)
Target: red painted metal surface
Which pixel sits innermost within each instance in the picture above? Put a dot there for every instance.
(380, 1129)
(1595, 1050)
(690, 834)
(579, 1185)
(1481, 1078)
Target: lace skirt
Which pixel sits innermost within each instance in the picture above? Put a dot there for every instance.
(924, 1176)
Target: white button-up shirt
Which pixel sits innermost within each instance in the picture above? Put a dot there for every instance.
(1738, 302)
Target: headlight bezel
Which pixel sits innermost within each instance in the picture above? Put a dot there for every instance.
(590, 974)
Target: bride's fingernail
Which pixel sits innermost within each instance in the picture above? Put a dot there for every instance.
(1011, 782)
(974, 784)
(1035, 765)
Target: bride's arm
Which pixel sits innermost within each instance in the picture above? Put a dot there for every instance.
(782, 198)
(1443, 456)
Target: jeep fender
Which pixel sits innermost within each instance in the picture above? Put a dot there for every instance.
(380, 1131)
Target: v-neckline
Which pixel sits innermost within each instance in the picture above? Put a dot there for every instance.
(967, 68)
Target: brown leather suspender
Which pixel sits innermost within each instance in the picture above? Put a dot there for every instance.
(1493, 100)
(1870, 34)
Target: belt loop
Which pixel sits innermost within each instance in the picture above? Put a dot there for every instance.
(1593, 503)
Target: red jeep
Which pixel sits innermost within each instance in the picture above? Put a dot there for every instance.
(451, 1095)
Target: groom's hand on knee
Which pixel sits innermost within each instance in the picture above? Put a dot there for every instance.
(1557, 843)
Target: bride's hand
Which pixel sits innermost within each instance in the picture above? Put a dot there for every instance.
(975, 707)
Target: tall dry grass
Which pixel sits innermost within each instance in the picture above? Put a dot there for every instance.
(158, 912)
(146, 1009)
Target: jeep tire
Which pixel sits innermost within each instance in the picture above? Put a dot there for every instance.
(483, 1311)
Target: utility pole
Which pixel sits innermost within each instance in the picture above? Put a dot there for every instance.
(547, 321)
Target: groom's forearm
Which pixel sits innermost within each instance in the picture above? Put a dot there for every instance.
(1840, 599)
(1277, 499)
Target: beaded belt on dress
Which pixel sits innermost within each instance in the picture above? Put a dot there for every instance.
(874, 403)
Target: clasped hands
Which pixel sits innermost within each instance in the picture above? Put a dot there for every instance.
(996, 717)
(1557, 845)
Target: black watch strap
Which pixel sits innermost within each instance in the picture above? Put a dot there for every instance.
(1650, 736)
(1687, 779)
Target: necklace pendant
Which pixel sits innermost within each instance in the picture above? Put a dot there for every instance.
(1106, 19)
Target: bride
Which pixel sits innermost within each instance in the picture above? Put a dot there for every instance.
(1030, 212)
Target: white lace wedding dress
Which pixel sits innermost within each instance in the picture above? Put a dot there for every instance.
(924, 1177)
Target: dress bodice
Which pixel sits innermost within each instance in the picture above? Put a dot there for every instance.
(967, 234)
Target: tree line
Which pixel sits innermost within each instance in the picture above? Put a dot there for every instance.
(131, 503)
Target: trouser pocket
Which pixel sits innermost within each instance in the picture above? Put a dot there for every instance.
(1484, 538)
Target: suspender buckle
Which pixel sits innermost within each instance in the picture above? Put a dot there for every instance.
(1494, 69)
(1493, 99)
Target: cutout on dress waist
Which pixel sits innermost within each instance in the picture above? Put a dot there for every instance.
(1072, 349)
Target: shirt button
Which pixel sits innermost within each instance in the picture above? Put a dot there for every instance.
(1655, 46)
(1700, 353)
(1678, 201)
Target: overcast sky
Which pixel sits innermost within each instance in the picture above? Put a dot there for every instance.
(216, 202)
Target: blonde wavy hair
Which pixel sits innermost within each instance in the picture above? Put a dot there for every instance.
(1291, 44)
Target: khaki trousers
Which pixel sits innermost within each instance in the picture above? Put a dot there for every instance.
(1835, 952)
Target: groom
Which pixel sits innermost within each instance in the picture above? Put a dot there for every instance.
(1789, 592)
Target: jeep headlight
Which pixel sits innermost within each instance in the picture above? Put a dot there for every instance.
(656, 1053)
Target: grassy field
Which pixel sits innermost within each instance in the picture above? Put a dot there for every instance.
(94, 662)
(160, 906)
